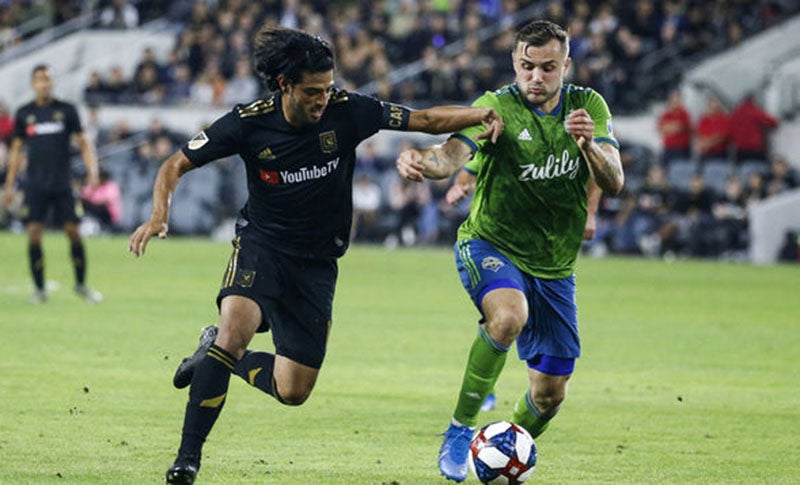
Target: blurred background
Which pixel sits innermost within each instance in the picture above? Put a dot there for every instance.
(705, 97)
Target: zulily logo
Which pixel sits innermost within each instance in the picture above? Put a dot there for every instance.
(553, 168)
(305, 174)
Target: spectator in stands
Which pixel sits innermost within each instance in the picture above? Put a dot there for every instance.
(730, 214)
(369, 162)
(749, 127)
(755, 188)
(146, 87)
(121, 14)
(149, 61)
(118, 87)
(637, 225)
(96, 91)
(6, 124)
(242, 87)
(675, 127)
(712, 134)
(366, 203)
(407, 199)
(104, 202)
(687, 231)
(782, 177)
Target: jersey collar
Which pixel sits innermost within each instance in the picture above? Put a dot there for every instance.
(536, 110)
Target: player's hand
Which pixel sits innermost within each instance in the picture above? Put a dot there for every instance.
(456, 193)
(590, 229)
(581, 126)
(409, 164)
(138, 241)
(8, 197)
(494, 125)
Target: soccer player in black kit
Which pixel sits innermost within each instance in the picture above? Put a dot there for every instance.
(298, 144)
(46, 126)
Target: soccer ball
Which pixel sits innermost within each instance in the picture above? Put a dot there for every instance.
(502, 452)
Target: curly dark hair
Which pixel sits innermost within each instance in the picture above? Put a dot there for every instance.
(539, 32)
(289, 52)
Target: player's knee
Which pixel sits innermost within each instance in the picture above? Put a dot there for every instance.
(506, 324)
(548, 403)
(293, 396)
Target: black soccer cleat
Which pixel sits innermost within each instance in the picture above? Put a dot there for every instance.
(184, 471)
(185, 371)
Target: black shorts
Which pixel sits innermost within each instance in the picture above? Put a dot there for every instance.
(295, 295)
(39, 202)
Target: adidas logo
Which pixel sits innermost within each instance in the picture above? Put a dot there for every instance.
(524, 135)
(266, 154)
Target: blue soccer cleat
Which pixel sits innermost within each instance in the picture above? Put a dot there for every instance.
(489, 403)
(454, 451)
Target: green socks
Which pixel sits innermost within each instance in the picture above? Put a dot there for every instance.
(527, 416)
(486, 360)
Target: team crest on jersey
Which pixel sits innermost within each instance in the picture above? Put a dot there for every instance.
(266, 154)
(244, 278)
(327, 142)
(492, 263)
(198, 141)
(58, 116)
(30, 119)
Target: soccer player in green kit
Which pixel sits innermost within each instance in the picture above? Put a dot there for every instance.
(517, 250)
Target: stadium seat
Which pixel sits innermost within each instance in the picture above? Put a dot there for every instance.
(716, 173)
(679, 173)
(748, 167)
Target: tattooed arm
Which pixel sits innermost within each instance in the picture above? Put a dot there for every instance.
(603, 159)
(436, 162)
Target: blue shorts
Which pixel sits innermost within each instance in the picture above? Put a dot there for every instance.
(552, 326)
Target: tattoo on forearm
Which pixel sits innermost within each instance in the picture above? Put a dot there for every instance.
(608, 172)
(432, 160)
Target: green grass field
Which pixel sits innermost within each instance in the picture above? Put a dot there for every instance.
(688, 373)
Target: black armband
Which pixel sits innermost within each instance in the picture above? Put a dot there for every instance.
(395, 117)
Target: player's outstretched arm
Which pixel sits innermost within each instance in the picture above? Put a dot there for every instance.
(463, 185)
(603, 159)
(448, 119)
(166, 181)
(436, 162)
(14, 161)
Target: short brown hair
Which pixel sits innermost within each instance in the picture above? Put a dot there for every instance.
(539, 32)
(39, 67)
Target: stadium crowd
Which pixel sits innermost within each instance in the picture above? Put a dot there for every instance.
(672, 204)
(609, 43)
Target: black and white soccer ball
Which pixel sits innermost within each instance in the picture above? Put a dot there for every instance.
(502, 452)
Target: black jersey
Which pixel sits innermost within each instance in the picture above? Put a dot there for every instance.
(299, 180)
(46, 131)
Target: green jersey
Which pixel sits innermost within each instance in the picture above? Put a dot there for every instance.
(530, 193)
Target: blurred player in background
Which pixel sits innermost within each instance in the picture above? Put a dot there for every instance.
(517, 250)
(298, 144)
(45, 126)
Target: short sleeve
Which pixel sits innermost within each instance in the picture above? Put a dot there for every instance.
(467, 135)
(473, 166)
(603, 127)
(219, 140)
(20, 125)
(372, 115)
(73, 120)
